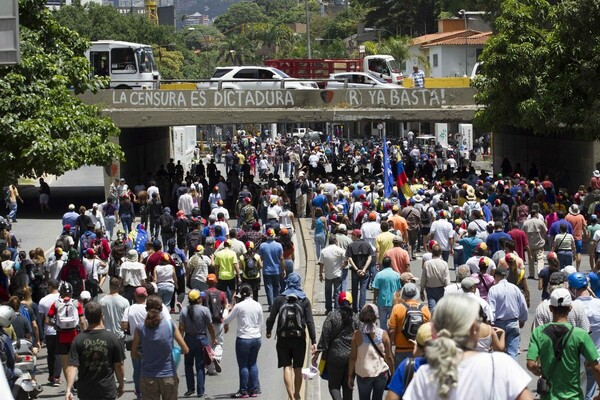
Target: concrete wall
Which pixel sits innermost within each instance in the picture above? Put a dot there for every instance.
(578, 158)
(145, 150)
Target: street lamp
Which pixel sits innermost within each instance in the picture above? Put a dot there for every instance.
(308, 50)
(378, 30)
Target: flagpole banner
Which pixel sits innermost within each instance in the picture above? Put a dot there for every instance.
(388, 176)
(404, 190)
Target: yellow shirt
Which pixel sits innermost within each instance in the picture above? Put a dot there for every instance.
(225, 261)
(383, 242)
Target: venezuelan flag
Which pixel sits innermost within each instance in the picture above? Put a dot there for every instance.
(404, 191)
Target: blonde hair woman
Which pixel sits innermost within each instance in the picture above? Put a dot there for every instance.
(455, 369)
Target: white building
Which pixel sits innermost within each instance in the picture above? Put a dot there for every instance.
(451, 52)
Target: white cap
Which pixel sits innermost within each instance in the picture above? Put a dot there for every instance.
(560, 297)
(71, 207)
(85, 295)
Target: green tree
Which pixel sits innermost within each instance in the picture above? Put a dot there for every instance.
(403, 17)
(43, 127)
(273, 39)
(238, 50)
(238, 15)
(169, 62)
(541, 68)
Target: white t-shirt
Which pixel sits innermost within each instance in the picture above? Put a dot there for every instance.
(54, 268)
(596, 239)
(113, 308)
(91, 267)
(44, 306)
(135, 315)
(249, 316)
(132, 273)
(164, 273)
(501, 375)
(592, 309)
(442, 231)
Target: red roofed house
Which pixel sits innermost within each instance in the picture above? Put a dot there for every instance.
(448, 51)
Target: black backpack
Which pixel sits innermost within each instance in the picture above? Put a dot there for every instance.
(251, 267)
(213, 298)
(290, 323)
(413, 320)
(179, 267)
(64, 243)
(425, 216)
(75, 280)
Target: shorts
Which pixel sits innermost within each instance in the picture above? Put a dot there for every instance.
(291, 352)
(63, 348)
(579, 246)
(44, 198)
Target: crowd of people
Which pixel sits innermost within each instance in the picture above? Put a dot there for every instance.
(201, 245)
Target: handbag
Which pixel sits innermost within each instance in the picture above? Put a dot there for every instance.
(323, 368)
(176, 350)
(389, 372)
(208, 355)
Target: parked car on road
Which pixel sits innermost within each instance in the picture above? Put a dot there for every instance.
(254, 78)
(358, 80)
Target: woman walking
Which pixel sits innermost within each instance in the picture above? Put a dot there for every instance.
(455, 370)
(166, 279)
(156, 337)
(249, 316)
(371, 356)
(335, 345)
(194, 322)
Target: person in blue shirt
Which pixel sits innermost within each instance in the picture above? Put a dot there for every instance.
(405, 371)
(469, 243)
(555, 227)
(493, 240)
(385, 284)
(319, 200)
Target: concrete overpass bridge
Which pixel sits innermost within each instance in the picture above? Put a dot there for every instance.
(145, 116)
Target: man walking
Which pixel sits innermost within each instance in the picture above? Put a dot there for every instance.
(434, 278)
(50, 333)
(95, 356)
(11, 195)
(385, 284)
(536, 231)
(359, 255)
(113, 308)
(509, 309)
(555, 349)
(271, 254)
(331, 262)
(293, 312)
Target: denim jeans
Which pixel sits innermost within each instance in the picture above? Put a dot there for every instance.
(12, 215)
(195, 357)
(371, 388)
(246, 352)
(359, 302)
(565, 258)
(109, 222)
(332, 287)
(512, 332)
(126, 222)
(446, 255)
(319, 244)
(591, 386)
(385, 312)
(271, 287)
(289, 268)
(165, 292)
(137, 370)
(344, 279)
(433, 296)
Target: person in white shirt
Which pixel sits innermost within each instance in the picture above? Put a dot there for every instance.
(113, 308)
(249, 316)
(153, 189)
(220, 209)
(133, 274)
(97, 218)
(45, 303)
(443, 233)
(186, 202)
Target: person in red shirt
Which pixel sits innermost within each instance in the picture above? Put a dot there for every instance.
(154, 259)
(65, 336)
(521, 242)
(73, 263)
(595, 181)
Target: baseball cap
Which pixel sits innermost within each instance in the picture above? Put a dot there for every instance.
(283, 231)
(194, 295)
(560, 297)
(468, 283)
(408, 277)
(67, 227)
(85, 295)
(211, 278)
(424, 334)
(372, 216)
(397, 239)
(90, 252)
(342, 228)
(270, 232)
(199, 249)
(558, 277)
(141, 291)
(356, 232)
(345, 296)
(501, 271)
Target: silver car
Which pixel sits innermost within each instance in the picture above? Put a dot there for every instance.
(358, 80)
(254, 78)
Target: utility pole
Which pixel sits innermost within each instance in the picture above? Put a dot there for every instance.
(308, 49)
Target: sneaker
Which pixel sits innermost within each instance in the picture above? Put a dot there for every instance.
(189, 393)
(240, 395)
(253, 394)
(217, 365)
